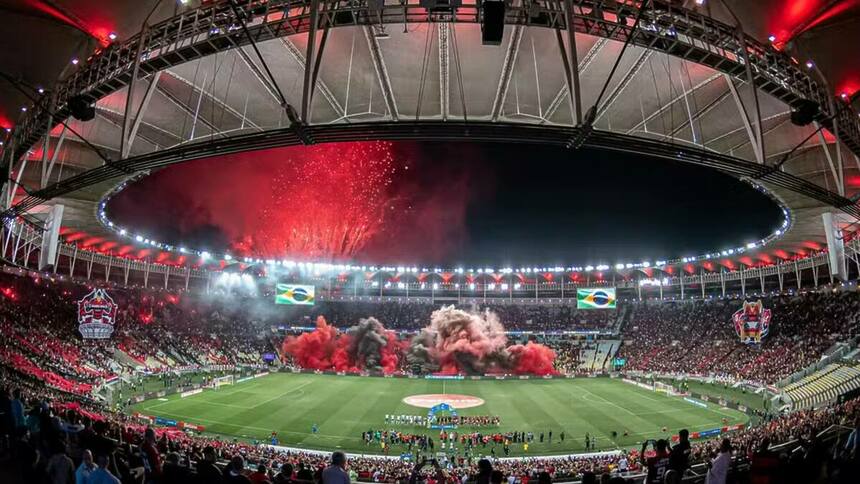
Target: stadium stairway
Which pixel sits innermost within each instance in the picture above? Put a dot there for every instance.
(823, 386)
(611, 350)
(125, 359)
(625, 317)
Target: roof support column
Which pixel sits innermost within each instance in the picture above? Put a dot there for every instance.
(571, 64)
(47, 145)
(834, 170)
(757, 133)
(381, 72)
(444, 77)
(797, 273)
(507, 71)
(73, 261)
(752, 133)
(814, 275)
(48, 168)
(307, 88)
(318, 84)
(138, 118)
(129, 98)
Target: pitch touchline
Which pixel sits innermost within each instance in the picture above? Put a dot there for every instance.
(225, 424)
(282, 394)
(608, 402)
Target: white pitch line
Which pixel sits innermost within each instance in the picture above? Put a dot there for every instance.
(283, 394)
(608, 402)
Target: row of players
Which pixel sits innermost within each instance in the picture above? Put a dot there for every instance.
(466, 440)
(455, 420)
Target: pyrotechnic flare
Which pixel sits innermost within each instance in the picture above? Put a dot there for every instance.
(373, 347)
(365, 346)
(321, 349)
(466, 342)
(456, 341)
(459, 341)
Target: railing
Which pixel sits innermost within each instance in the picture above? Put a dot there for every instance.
(215, 27)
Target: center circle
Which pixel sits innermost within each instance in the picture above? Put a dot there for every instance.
(432, 399)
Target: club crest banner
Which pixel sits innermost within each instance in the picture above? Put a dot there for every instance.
(96, 315)
(752, 322)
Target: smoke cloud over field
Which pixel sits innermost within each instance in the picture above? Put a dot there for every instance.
(455, 342)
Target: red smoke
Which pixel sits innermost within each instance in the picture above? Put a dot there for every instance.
(455, 342)
(392, 353)
(532, 359)
(321, 349)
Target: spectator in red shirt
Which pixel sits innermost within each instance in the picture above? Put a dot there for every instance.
(150, 451)
(658, 463)
(260, 475)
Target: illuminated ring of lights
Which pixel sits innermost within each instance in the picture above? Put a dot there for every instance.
(434, 130)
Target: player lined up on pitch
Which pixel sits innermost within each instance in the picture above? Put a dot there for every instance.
(456, 420)
(452, 440)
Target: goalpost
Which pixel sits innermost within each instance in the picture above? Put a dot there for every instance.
(660, 387)
(222, 380)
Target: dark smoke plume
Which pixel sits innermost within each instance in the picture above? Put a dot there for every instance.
(373, 347)
(455, 342)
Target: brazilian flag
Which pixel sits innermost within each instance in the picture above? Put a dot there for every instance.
(595, 298)
(294, 294)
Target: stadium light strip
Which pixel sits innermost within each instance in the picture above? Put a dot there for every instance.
(320, 267)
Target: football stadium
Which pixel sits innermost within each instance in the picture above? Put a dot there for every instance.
(430, 241)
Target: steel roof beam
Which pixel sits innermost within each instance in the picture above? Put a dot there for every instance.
(220, 103)
(701, 112)
(581, 68)
(118, 124)
(693, 35)
(662, 109)
(754, 133)
(444, 78)
(381, 72)
(321, 85)
(148, 125)
(836, 173)
(506, 72)
(625, 81)
(144, 104)
(49, 168)
(255, 70)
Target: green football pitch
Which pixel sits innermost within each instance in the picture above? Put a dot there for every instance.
(343, 407)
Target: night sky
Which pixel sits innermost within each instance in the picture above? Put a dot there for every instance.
(454, 203)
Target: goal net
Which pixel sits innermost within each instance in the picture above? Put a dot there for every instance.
(660, 387)
(222, 380)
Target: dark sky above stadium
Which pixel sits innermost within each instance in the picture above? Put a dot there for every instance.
(446, 203)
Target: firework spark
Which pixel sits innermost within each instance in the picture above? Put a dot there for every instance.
(334, 201)
(325, 202)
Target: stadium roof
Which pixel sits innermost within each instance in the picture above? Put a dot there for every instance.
(679, 89)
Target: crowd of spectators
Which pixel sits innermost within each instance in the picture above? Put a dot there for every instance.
(155, 331)
(46, 440)
(51, 424)
(699, 338)
(412, 316)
